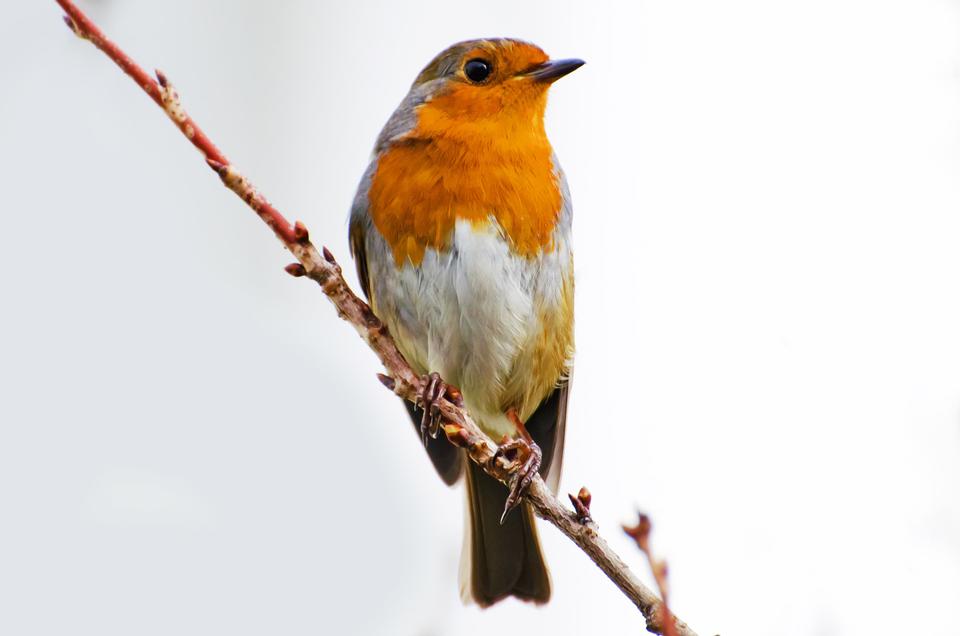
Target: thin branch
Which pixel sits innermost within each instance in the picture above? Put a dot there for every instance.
(459, 428)
(641, 534)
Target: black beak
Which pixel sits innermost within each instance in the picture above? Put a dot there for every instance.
(553, 70)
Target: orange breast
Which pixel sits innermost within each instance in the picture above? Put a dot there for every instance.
(460, 164)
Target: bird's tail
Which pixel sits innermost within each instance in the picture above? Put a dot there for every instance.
(499, 560)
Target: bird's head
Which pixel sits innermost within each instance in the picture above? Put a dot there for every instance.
(481, 87)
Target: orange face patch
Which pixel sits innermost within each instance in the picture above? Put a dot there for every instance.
(479, 151)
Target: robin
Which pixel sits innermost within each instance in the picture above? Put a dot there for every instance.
(460, 230)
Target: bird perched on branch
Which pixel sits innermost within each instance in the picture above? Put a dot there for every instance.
(461, 234)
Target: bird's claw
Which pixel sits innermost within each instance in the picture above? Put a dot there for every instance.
(523, 457)
(434, 389)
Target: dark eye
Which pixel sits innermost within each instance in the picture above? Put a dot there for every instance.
(477, 70)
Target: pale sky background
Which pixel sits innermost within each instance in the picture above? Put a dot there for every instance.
(767, 232)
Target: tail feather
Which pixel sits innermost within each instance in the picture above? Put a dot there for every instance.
(499, 560)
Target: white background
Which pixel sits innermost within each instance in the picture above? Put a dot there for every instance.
(767, 230)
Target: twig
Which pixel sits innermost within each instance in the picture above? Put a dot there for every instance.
(459, 427)
(641, 534)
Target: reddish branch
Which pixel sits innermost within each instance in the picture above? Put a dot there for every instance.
(641, 534)
(165, 96)
(459, 427)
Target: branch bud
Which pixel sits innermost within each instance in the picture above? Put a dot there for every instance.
(581, 504)
(584, 496)
(640, 532)
(300, 233)
(73, 27)
(454, 395)
(296, 270)
(387, 381)
(456, 434)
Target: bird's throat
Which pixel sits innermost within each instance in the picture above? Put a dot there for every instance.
(482, 170)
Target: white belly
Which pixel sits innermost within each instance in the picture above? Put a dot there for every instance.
(470, 312)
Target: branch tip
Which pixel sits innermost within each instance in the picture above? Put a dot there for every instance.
(663, 621)
(296, 270)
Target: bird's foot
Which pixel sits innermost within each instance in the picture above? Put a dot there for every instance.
(523, 457)
(432, 391)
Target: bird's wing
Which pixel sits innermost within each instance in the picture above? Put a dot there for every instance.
(548, 426)
(446, 458)
(358, 249)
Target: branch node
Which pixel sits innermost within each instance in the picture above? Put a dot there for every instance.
(479, 447)
(234, 180)
(296, 270)
(328, 256)
(171, 102)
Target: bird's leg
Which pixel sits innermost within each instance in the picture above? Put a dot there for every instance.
(432, 391)
(524, 456)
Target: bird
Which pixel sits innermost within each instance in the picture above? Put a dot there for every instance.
(461, 234)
